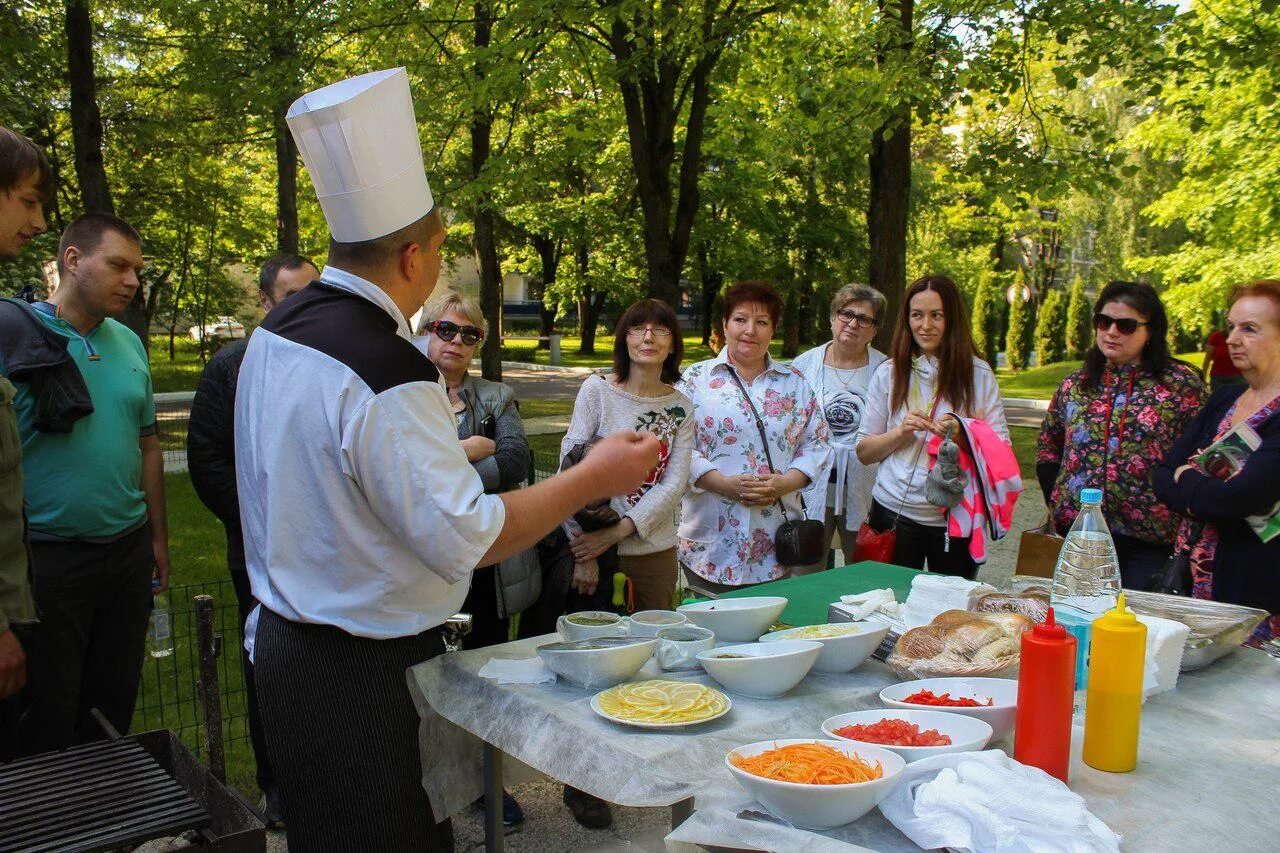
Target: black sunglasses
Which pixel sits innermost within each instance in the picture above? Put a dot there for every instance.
(447, 331)
(1124, 325)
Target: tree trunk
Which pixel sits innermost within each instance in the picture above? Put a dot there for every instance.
(712, 281)
(890, 172)
(548, 250)
(286, 179)
(649, 98)
(485, 237)
(589, 305)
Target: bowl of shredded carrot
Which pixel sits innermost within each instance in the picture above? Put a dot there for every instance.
(817, 784)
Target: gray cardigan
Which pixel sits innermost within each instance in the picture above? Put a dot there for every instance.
(508, 467)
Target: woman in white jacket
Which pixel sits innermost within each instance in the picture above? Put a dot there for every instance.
(839, 373)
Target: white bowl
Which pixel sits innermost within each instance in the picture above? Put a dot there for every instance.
(1000, 716)
(570, 631)
(967, 733)
(647, 623)
(736, 620)
(843, 653)
(599, 662)
(765, 670)
(820, 806)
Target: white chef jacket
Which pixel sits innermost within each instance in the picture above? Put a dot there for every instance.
(359, 507)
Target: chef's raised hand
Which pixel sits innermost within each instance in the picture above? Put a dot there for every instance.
(619, 463)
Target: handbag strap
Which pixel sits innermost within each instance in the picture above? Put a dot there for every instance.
(764, 437)
(911, 478)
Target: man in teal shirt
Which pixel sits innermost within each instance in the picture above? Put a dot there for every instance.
(95, 499)
(26, 185)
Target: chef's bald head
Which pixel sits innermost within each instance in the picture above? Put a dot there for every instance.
(382, 252)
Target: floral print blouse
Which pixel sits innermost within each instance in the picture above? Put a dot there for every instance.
(722, 540)
(1113, 438)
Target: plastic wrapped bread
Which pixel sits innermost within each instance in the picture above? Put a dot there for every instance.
(961, 642)
(1033, 604)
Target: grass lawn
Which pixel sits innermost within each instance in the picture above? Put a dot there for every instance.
(183, 372)
(545, 408)
(1039, 383)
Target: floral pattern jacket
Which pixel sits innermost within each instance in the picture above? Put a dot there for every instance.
(721, 540)
(1113, 438)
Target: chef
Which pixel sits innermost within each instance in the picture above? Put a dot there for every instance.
(362, 518)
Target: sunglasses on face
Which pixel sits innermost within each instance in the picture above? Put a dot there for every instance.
(847, 316)
(1124, 325)
(447, 331)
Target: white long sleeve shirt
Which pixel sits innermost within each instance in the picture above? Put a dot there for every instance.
(359, 507)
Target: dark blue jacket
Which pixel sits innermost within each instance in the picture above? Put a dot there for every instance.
(1246, 570)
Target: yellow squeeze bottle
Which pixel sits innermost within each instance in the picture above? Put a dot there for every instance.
(1113, 703)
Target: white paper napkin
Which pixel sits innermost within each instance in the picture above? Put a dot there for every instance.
(517, 671)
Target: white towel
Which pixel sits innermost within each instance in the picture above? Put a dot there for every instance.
(972, 801)
(861, 606)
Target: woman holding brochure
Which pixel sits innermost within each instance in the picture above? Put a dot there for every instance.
(1232, 499)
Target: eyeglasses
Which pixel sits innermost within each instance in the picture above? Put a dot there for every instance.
(1124, 325)
(447, 331)
(656, 331)
(847, 316)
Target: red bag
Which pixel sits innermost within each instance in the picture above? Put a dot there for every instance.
(873, 545)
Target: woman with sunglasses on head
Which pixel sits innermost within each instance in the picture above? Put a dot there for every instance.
(742, 489)
(933, 375)
(839, 372)
(1112, 421)
(639, 395)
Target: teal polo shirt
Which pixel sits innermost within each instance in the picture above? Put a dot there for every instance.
(87, 484)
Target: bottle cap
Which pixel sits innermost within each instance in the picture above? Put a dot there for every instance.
(1091, 496)
(1119, 616)
(1049, 629)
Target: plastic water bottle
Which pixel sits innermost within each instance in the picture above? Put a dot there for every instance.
(1087, 577)
(160, 630)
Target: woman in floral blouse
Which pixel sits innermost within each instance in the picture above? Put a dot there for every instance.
(1112, 421)
(731, 512)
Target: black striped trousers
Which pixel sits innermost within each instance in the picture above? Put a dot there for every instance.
(342, 734)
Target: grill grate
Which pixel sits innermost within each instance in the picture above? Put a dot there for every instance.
(93, 797)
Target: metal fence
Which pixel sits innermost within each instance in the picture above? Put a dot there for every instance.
(168, 696)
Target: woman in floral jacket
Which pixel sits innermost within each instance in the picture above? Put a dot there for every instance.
(731, 512)
(1112, 421)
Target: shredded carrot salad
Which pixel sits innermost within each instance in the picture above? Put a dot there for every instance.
(809, 764)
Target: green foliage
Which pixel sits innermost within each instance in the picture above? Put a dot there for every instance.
(1018, 341)
(1051, 328)
(986, 319)
(1079, 322)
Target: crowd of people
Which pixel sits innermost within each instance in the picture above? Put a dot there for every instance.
(371, 486)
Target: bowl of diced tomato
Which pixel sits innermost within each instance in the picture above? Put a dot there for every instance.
(992, 700)
(912, 734)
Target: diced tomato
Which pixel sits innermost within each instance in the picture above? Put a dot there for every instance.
(927, 697)
(894, 733)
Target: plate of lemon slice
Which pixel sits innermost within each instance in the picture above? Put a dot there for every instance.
(661, 704)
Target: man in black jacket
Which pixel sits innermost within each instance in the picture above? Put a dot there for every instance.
(211, 460)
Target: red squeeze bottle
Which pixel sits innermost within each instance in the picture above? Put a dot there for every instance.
(1046, 691)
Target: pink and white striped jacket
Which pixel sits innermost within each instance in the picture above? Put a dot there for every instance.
(995, 481)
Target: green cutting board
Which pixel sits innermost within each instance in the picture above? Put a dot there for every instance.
(809, 595)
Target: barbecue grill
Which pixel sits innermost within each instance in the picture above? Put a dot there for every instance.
(121, 792)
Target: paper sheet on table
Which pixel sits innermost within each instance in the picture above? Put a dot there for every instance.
(517, 671)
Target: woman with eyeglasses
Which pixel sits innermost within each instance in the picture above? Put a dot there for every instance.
(1112, 421)
(933, 375)
(743, 485)
(839, 372)
(639, 394)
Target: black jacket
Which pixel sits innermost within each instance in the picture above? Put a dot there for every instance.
(211, 444)
(1245, 569)
(31, 353)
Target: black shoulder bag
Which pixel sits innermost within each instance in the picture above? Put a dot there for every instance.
(797, 543)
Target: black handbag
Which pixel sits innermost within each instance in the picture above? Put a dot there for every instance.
(797, 543)
(1175, 577)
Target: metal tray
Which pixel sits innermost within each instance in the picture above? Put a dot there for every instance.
(1216, 628)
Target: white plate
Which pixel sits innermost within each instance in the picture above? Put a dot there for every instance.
(595, 706)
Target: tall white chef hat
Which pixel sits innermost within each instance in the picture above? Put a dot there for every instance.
(359, 141)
